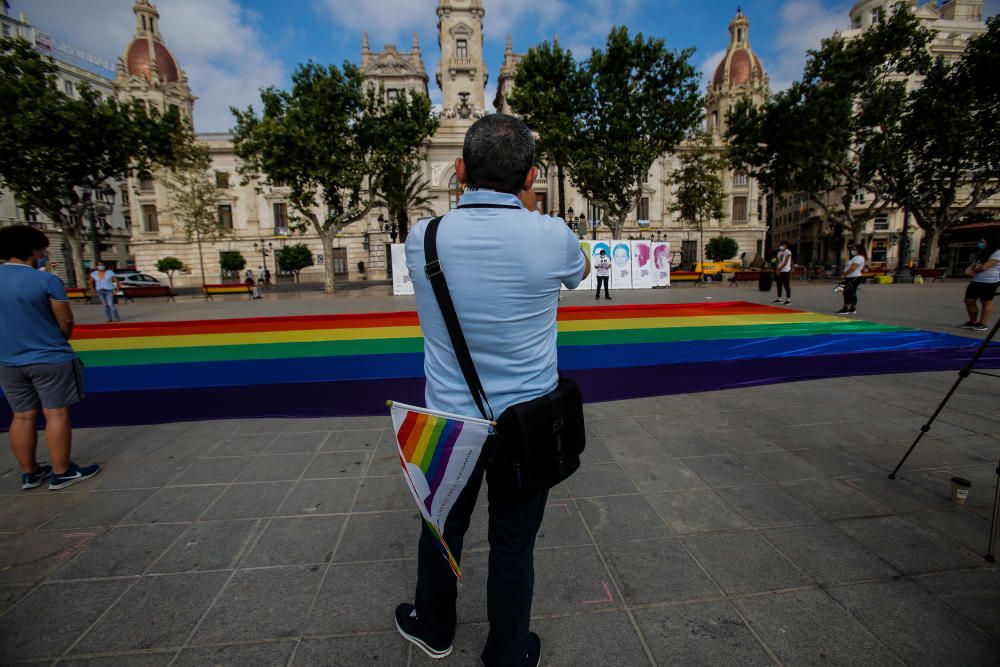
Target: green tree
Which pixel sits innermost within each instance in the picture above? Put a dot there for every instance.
(639, 101)
(232, 261)
(168, 265)
(194, 200)
(402, 127)
(548, 93)
(699, 195)
(56, 150)
(722, 248)
(326, 141)
(294, 258)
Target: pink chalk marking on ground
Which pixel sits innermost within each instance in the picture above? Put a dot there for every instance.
(608, 596)
(82, 537)
(565, 506)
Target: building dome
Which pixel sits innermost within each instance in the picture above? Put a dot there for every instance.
(138, 59)
(741, 63)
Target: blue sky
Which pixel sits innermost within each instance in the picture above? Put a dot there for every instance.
(232, 48)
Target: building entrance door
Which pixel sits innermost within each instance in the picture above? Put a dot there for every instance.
(339, 260)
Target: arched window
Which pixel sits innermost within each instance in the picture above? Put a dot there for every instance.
(454, 191)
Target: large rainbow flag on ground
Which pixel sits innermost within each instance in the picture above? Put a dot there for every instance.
(334, 365)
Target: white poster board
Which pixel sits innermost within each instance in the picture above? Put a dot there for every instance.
(595, 251)
(589, 282)
(642, 264)
(661, 263)
(401, 283)
(621, 265)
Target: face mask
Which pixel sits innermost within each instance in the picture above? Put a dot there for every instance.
(783, 248)
(854, 253)
(100, 267)
(43, 262)
(981, 245)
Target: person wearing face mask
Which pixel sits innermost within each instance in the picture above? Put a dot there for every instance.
(603, 268)
(985, 273)
(783, 272)
(104, 283)
(852, 278)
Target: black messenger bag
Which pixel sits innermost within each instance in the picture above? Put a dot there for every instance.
(538, 442)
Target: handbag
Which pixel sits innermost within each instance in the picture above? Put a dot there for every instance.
(538, 442)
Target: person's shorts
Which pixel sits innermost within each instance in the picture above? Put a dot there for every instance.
(47, 386)
(981, 291)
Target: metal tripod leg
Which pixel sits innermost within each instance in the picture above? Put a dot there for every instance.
(991, 547)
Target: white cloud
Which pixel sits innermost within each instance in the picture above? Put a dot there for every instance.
(385, 20)
(708, 66)
(219, 45)
(803, 24)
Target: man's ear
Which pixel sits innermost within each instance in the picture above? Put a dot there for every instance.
(529, 181)
(460, 171)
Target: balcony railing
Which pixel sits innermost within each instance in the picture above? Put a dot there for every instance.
(462, 63)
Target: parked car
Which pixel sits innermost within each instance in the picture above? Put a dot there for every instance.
(136, 279)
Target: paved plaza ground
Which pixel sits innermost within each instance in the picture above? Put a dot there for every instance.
(741, 527)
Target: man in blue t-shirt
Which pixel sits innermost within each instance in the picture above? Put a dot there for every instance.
(39, 371)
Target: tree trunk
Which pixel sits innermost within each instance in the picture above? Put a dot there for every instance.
(329, 286)
(76, 251)
(931, 251)
(562, 191)
(403, 223)
(201, 258)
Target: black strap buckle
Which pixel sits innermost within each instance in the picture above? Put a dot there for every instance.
(432, 269)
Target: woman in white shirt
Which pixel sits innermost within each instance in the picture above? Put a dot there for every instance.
(852, 278)
(985, 272)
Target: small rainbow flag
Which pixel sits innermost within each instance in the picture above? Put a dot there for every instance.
(438, 452)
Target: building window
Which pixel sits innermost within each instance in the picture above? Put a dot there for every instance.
(882, 222)
(859, 197)
(280, 209)
(225, 216)
(642, 211)
(146, 182)
(461, 49)
(144, 22)
(68, 87)
(222, 180)
(454, 191)
(739, 209)
(124, 192)
(391, 94)
(6, 30)
(278, 183)
(339, 260)
(594, 213)
(877, 15)
(31, 216)
(150, 223)
(740, 179)
(127, 218)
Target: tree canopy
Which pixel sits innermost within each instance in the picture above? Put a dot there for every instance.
(699, 195)
(194, 201)
(294, 258)
(169, 265)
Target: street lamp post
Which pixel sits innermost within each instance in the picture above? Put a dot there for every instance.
(904, 248)
(264, 248)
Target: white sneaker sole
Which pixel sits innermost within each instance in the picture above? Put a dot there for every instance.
(423, 646)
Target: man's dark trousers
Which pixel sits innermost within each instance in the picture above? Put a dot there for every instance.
(603, 279)
(513, 524)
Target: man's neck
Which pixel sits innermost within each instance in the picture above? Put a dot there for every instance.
(22, 262)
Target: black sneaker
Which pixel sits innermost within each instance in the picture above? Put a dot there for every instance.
(852, 311)
(778, 300)
(787, 301)
(410, 628)
(534, 657)
(843, 311)
(30, 480)
(968, 325)
(979, 327)
(73, 475)
(608, 298)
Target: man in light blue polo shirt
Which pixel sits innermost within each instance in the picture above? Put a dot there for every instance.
(39, 371)
(504, 264)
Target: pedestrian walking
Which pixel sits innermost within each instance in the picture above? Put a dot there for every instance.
(852, 280)
(985, 274)
(603, 268)
(260, 275)
(510, 328)
(39, 371)
(783, 272)
(104, 283)
(249, 279)
(267, 276)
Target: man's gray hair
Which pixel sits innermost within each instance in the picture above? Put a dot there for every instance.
(499, 151)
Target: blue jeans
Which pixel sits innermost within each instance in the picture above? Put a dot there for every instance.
(107, 298)
(513, 526)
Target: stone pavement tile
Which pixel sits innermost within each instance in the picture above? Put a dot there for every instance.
(701, 633)
(124, 551)
(296, 443)
(723, 470)
(385, 650)
(962, 527)
(616, 427)
(562, 526)
(816, 436)
(81, 603)
(654, 571)
(983, 445)
(312, 424)
(161, 659)
(385, 458)
(269, 425)
(660, 473)
(692, 444)
(133, 449)
(571, 580)
(380, 494)
(361, 597)
(275, 467)
(362, 423)
(590, 639)
(241, 445)
(640, 407)
(633, 447)
(261, 604)
(926, 455)
(617, 518)
(244, 501)
(350, 441)
(834, 499)
(337, 464)
(147, 474)
(838, 461)
(296, 541)
(826, 554)
(938, 482)
(269, 654)
(808, 628)
(212, 471)
(11, 594)
(31, 509)
(905, 546)
(380, 535)
(781, 466)
(31, 557)
(742, 562)
(766, 506)
(156, 612)
(975, 594)
(744, 441)
(695, 511)
(812, 414)
(320, 496)
(219, 428)
(104, 508)
(175, 504)
(600, 479)
(216, 545)
(903, 616)
(607, 410)
(596, 452)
